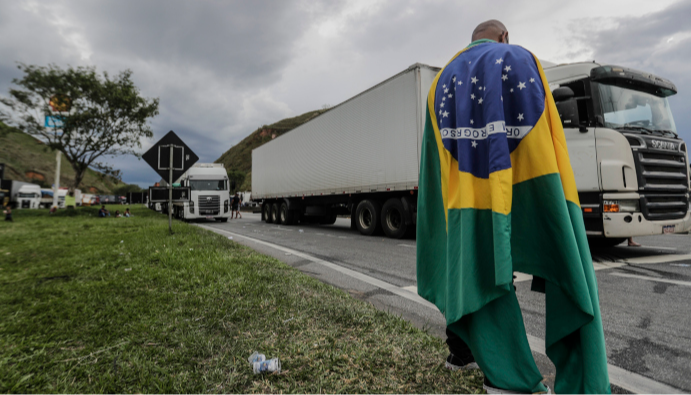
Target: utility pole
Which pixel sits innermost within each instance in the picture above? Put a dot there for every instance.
(170, 192)
(57, 179)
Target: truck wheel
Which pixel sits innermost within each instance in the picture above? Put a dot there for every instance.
(393, 219)
(266, 212)
(223, 219)
(275, 214)
(286, 216)
(367, 217)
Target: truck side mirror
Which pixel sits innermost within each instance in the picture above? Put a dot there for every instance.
(567, 107)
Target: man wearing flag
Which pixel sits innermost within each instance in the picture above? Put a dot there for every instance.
(497, 195)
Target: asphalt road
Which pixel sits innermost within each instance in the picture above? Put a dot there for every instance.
(644, 292)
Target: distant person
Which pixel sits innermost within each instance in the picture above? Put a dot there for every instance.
(117, 214)
(102, 213)
(8, 213)
(127, 213)
(235, 209)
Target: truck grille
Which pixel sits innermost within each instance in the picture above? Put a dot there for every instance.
(209, 204)
(663, 179)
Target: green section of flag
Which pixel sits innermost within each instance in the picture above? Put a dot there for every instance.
(464, 269)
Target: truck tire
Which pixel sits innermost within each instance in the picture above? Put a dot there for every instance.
(393, 219)
(223, 219)
(286, 216)
(266, 212)
(367, 217)
(275, 213)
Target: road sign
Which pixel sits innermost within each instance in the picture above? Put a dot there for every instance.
(54, 121)
(160, 194)
(170, 157)
(158, 157)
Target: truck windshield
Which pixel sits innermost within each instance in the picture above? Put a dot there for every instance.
(635, 110)
(208, 185)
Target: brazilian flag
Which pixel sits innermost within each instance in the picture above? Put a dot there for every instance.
(497, 195)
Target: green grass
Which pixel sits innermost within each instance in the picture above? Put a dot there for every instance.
(109, 305)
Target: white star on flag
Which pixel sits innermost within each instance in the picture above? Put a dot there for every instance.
(444, 86)
(441, 104)
(446, 90)
(471, 121)
(473, 80)
(443, 98)
(504, 77)
(450, 95)
(439, 111)
(521, 85)
(472, 96)
(499, 60)
(454, 79)
(473, 143)
(532, 80)
(479, 101)
(460, 82)
(511, 90)
(520, 117)
(445, 114)
(507, 68)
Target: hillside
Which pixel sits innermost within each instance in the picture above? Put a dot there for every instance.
(27, 159)
(238, 159)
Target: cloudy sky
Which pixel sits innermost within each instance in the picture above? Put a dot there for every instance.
(223, 68)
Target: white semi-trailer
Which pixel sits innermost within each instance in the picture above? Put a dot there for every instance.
(362, 157)
(210, 196)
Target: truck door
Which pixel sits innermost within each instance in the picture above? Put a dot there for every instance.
(581, 140)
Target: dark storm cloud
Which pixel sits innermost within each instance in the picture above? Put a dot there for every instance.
(659, 43)
(210, 62)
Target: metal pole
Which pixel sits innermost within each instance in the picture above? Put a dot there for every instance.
(57, 179)
(170, 192)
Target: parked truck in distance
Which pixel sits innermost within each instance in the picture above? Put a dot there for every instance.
(23, 195)
(362, 157)
(209, 193)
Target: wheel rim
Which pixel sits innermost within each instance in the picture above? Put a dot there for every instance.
(283, 214)
(394, 219)
(366, 218)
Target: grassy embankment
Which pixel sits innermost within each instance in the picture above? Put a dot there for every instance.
(90, 304)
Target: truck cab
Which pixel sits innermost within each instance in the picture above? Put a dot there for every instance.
(209, 193)
(29, 196)
(631, 167)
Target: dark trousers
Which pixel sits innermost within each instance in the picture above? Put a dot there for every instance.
(458, 348)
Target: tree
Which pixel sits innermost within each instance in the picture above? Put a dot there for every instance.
(91, 115)
(236, 175)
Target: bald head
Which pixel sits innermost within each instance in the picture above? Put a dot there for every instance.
(493, 30)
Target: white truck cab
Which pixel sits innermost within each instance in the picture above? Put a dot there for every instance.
(29, 196)
(209, 193)
(631, 167)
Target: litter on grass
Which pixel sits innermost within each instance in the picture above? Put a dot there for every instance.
(230, 237)
(122, 241)
(128, 269)
(261, 365)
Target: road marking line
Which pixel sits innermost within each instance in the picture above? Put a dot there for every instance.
(407, 245)
(656, 279)
(658, 248)
(352, 273)
(630, 381)
(658, 258)
(411, 288)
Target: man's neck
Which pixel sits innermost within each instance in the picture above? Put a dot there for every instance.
(480, 41)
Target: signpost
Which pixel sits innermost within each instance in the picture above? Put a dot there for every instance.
(170, 157)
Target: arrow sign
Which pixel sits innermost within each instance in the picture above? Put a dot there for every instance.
(158, 157)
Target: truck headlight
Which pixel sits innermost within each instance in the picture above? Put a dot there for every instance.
(225, 206)
(624, 206)
(191, 206)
